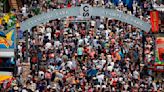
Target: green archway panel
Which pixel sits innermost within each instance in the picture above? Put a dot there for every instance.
(84, 11)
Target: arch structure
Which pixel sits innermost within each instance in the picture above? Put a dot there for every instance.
(85, 11)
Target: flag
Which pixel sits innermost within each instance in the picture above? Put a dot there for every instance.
(116, 2)
(160, 50)
(130, 3)
(154, 17)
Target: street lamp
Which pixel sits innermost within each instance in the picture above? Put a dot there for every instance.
(16, 46)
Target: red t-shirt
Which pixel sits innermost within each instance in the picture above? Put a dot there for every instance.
(68, 5)
(82, 32)
(57, 33)
(34, 59)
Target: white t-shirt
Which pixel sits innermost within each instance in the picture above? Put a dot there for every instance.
(100, 78)
(95, 42)
(109, 58)
(93, 23)
(49, 35)
(20, 47)
(101, 26)
(57, 43)
(19, 70)
(69, 64)
(48, 45)
(102, 62)
(80, 41)
(126, 86)
(110, 68)
(135, 74)
(24, 11)
(24, 90)
(86, 40)
(155, 86)
(41, 73)
(107, 33)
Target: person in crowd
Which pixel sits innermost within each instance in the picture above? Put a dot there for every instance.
(105, 57)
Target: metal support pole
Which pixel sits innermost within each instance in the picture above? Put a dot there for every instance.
(154, 43)
(88, 25)
(143, 46)
(16, 48)
(26, 60)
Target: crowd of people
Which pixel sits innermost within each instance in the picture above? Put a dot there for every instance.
(104, 55)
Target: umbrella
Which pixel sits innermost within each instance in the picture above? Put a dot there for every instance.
(92, 72)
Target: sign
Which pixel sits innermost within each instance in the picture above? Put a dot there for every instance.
(160, 50)
(7, 43)
(7, 53)
(154, 17)
(85, 11)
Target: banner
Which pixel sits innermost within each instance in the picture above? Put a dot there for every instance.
(154, 17)
(160, 50)
(7, 43)
(7, 40)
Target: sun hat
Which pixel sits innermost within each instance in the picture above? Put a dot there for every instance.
(16, 88)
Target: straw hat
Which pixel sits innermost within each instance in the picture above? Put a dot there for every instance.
(16, 88)
(94, 78)
(142, 65)
(65, 33)
(48, 70)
